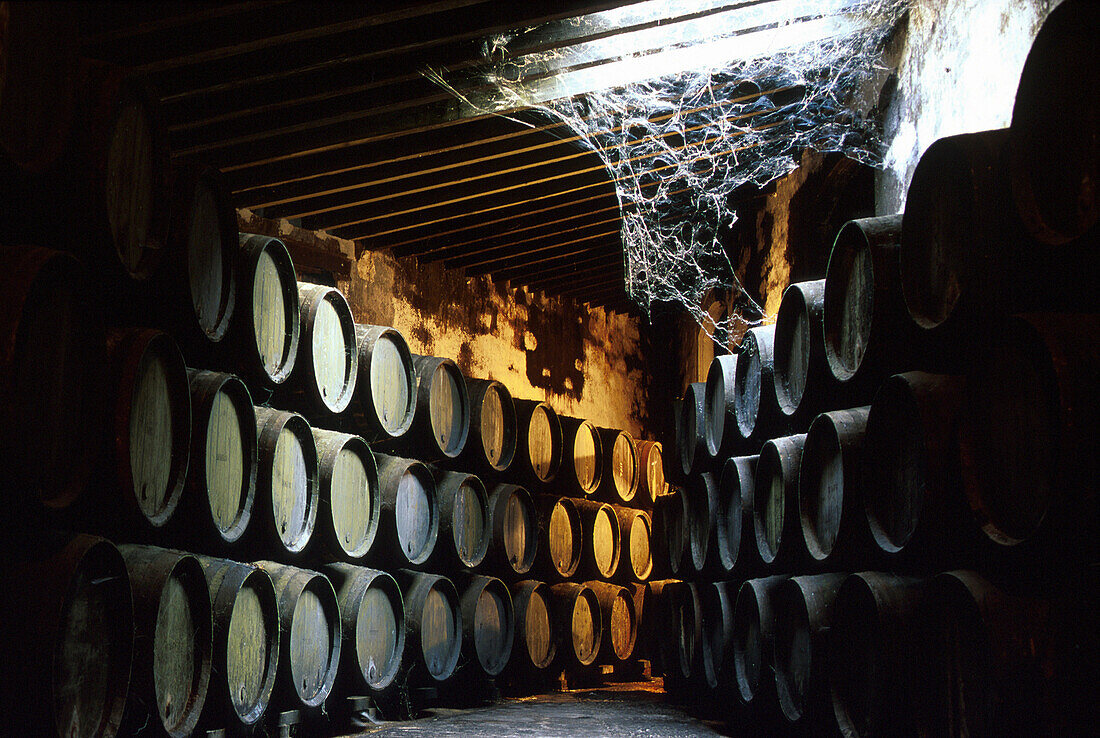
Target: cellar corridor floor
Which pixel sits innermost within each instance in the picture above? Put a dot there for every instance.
(625, 709)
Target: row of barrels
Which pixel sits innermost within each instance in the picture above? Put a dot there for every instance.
(143, 633)
(876, 653)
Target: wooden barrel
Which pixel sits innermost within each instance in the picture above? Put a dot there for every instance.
(38, 83)
(576, 615)
(50, 384)
(691, 432)
(732, 528)
(221, 480)
(799, 370)
(754, 642)
(645, 609)
(620, 477)
(636, 538)
(702, 497)
(651, 472)
(491, 445)
(69, 642)
(582, 466)
(201, 273)
(830, 490)
(868, 333)
(911, 500)
(488, 622)
(384, 402)
(603, 546)
(803, 619)
(754, 400)
(561, 536)
(716, 600)
(172, 638)
(441, 423)
(348, 490)
(682, 635)
(433, 622)
(327, 366)
(1029, 455)
(464, 521)
(671, 536)
(246, 642)
(620, 621)
(309, 629)
(287, 485)
(513, 531)
(721, 427)
(539, 454)
(1054, 156)
(409, 524)
(266, 320)
(775, 517)
(372, 620)
(535, 638)
(871, 653)
(150, 421)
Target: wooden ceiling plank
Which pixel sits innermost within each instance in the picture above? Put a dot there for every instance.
(524, 246)
(480, 264)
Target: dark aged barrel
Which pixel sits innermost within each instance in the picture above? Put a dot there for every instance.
(433, 622)
(409, 524)
(172, 638)
(911, 500)
(672, 537)
(348, 485)
(38, 82)
(442, 421)
(621, 478)
(716, 648)
(246, 642)
(775, 517)
(539, 453)
(582, 466)
(221, 478)
(645, 608)
(576, 615)
(536, 642)
(464, 522)
(287, 488)
(803, 619)
(871, 656)
(732, 535)
(49, 378)
(1053, 144)
(384, 402)
(602, 544)
(754, 641)
(491, 446)
(691, 432)
(620, 622)
(201, 272)
(372, 620)
(721, 427)
(513, 531)
(309, 628)
(799, 370)
(868, 333)
(150, 421)
(682, 635)
(830, 489)
(68, 647)
(1029, 452)
(266, 320)
(754, 401)
(636, 539)
(561, 536)
(702, 496)
(987, 661)
(488, 622)
(328, 358)
(651, 472)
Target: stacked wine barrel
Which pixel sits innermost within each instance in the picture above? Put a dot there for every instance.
(885, 515)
